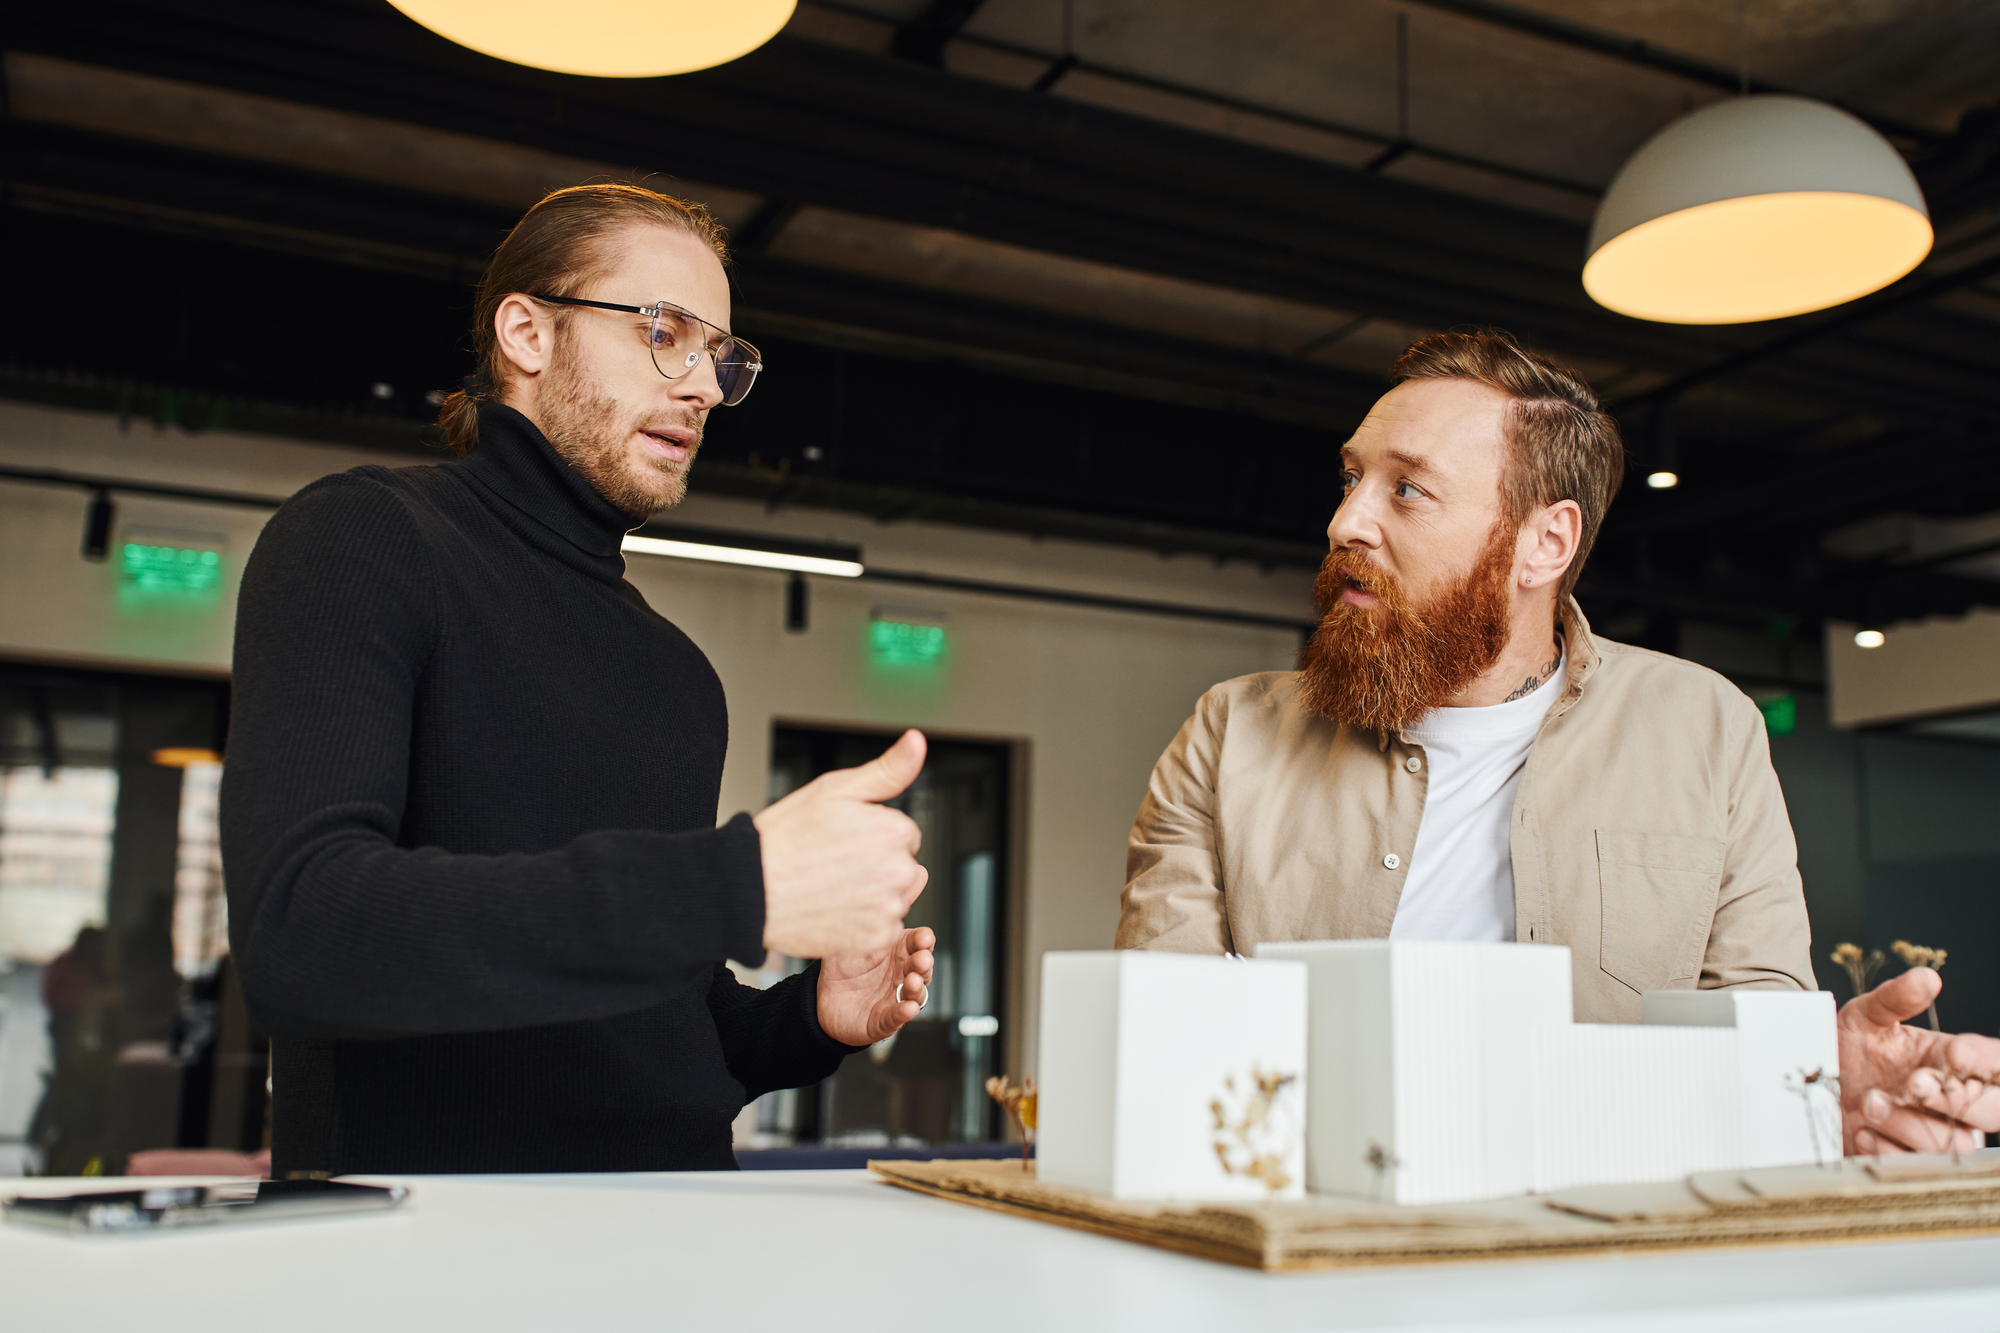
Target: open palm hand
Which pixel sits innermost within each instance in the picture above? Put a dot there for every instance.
(1905, 1088)
(857, 992)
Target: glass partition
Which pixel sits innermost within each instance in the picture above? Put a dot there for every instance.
(927, 1083)
(120, 1026)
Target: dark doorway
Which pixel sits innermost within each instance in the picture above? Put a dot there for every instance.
(926, 1084)
(121, 1028)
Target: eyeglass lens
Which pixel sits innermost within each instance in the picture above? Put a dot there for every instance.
(678, 340)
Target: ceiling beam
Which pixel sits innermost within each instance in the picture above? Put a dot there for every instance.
(923, 38)
(819, 124)
(1638, 51)
(754, 237)
(1415, 285)
(55, 169)
(1047, 345)
(814, 123)
(390, 226)
(1058, 65)
(809, 123)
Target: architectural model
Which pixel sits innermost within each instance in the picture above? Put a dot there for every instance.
(1446, 1072)
(1412, 1073)
(1172, 1076)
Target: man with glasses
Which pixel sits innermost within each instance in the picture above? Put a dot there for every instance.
(477, 892)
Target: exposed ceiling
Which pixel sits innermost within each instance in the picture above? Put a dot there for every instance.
(1109, 269)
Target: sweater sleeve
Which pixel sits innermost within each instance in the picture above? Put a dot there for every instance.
(339, 931)
(772, 1038)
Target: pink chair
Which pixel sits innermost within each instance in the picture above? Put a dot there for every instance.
(198, 1162)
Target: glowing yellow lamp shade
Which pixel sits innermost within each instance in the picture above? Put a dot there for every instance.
(620, 39)
(1757, 208)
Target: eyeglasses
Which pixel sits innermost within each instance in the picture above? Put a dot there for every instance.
(677, 339)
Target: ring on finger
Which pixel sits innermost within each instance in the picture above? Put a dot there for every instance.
(926, 1003)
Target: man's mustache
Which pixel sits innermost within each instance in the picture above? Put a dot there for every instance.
(688, 422)
(1345, 566)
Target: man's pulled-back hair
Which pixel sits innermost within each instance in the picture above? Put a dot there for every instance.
(557, 248)
(1563, 445)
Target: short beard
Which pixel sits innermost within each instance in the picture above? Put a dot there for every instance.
(583, 425)
(1386, 666)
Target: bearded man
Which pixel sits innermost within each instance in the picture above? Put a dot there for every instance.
(477, 893)
(1458, 757)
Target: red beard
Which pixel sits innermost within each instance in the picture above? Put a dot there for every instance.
(1385, 666)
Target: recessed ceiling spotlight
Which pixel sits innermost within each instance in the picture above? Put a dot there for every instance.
(1869, 638)
(618, 39)
(1755, 208)
(1663, 481)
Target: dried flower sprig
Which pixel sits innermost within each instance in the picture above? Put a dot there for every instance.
(1804, 1083)
(1232, 1141)
(1916, 955)
(1381, 1161)
(1861, 968)
(1018, 1101)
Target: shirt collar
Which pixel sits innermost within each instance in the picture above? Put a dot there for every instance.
(1584, 658)
(516, 463)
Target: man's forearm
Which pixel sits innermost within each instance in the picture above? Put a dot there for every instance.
(348, 935)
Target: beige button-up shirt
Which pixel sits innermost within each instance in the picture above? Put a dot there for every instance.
(1649, 833)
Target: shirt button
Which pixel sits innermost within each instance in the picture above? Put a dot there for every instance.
(1391, 861)
(1414, 764)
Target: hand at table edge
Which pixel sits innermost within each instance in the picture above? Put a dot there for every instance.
(1907, 1089)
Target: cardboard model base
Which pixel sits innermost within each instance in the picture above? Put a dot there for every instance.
(1856, 1199)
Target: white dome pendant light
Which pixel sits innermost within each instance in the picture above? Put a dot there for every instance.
(620, 39)
(1755, 208)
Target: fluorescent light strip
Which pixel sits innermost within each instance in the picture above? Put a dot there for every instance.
(738, 555)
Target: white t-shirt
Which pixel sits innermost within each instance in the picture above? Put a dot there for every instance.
(1460, 884)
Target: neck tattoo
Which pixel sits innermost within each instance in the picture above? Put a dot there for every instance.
(1536, 681)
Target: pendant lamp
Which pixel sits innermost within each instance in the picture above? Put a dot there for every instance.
(620, 39)
(1755, 208)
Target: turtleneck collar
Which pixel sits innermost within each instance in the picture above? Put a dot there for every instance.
(516, 464)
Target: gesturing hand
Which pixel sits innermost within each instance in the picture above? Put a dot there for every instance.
(840, 870)
(1906, 1089)
(857, 991)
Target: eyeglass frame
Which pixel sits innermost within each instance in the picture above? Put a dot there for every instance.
(755, 365)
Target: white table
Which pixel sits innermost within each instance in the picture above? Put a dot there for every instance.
(809, 1250)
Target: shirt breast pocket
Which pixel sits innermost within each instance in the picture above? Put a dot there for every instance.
(1658, 901)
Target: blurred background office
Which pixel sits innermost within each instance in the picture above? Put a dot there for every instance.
(1066, 307)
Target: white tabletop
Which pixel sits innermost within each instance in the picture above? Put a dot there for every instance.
(840, 1249)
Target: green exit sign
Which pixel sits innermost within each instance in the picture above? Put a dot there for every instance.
(899, 643)
(1781, 713)
(170, 569)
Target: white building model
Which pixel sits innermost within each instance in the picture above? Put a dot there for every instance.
(1437, 1072)
(1172, 1076)
(1444, 1072)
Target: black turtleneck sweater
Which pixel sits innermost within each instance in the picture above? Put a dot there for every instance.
(476, 890)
